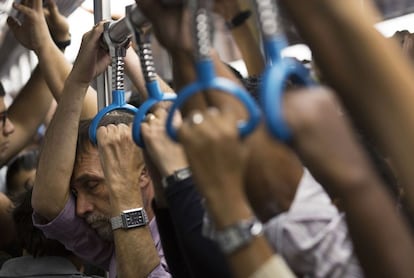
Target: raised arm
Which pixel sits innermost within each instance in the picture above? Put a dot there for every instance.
(326, 143)
(218, 159)
(165, 158)
(237, 21)
(58, 153)
(34, 34)
(27, 113)
(122, 163)
(369, 73)
(171, 25)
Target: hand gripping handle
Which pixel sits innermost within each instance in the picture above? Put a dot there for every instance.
(207, 81)
(118, 103)
(271, 96)
(155, 97)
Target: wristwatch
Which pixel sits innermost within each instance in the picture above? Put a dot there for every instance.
(238, 235)
(177, 176)
(131, 218)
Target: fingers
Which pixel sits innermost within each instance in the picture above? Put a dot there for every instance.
(113, 133)
(95, 33)
(37, 5)
(53, 8)
(25, 10)
(13, 24)
(208, 124)
(51, 11)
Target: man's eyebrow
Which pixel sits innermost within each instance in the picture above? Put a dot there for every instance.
(84, 177)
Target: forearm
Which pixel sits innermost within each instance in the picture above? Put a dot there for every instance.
(33, 100)
(55, 69)
(246, 260)
(328, 147)
(348, 50)
(136, 255)
(187, 213)
(249, 49)
(58, 152)
(54, 66)
(381, 238)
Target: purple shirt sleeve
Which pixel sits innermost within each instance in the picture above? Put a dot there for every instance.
(73, 232)
(161, 271)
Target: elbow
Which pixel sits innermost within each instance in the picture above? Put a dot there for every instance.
(44, 206)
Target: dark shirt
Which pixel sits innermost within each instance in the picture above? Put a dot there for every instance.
(191, 249)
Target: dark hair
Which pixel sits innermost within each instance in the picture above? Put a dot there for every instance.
(115, 117)
(25, 161)
(2, 91)
(31, 238)
(136, 99)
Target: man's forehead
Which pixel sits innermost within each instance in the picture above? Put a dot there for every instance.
(87, 162)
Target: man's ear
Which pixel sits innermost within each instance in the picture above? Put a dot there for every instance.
(144, 178)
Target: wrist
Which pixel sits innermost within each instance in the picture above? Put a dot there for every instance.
(125, 201)
(228, 208)
(44, 49)
(73, 78)
(175, 177)
(170, 170)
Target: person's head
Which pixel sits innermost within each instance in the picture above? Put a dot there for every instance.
(88, 180)
(31, 239)
(21, 173)
(6, 125)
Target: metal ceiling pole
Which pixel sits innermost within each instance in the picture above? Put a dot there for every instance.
(102, 10)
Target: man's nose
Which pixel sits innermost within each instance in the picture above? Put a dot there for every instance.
(83, 205)
(8, 127)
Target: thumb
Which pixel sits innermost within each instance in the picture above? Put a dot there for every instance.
(53, 9)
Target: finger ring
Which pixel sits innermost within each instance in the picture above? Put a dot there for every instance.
(150, 117)
(197, 118)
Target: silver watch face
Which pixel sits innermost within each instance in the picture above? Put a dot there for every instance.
(134, 218)
(183, 174)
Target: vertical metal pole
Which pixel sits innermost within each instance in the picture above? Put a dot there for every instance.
(102, 10)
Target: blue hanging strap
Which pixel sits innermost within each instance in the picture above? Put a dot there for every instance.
(278, 70)
(155, 95)
(117, 52)
(206, 76)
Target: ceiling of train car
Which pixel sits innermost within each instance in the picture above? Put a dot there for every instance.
(394, 8)
(10, 50)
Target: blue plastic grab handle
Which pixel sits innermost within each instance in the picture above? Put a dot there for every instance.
(271, 96)
(207, 81)
(142, 111)
(118, 103)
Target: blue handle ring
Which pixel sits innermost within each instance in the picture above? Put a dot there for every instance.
(118, 103)
(272, 88)
(221, 84)
(142, 111)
